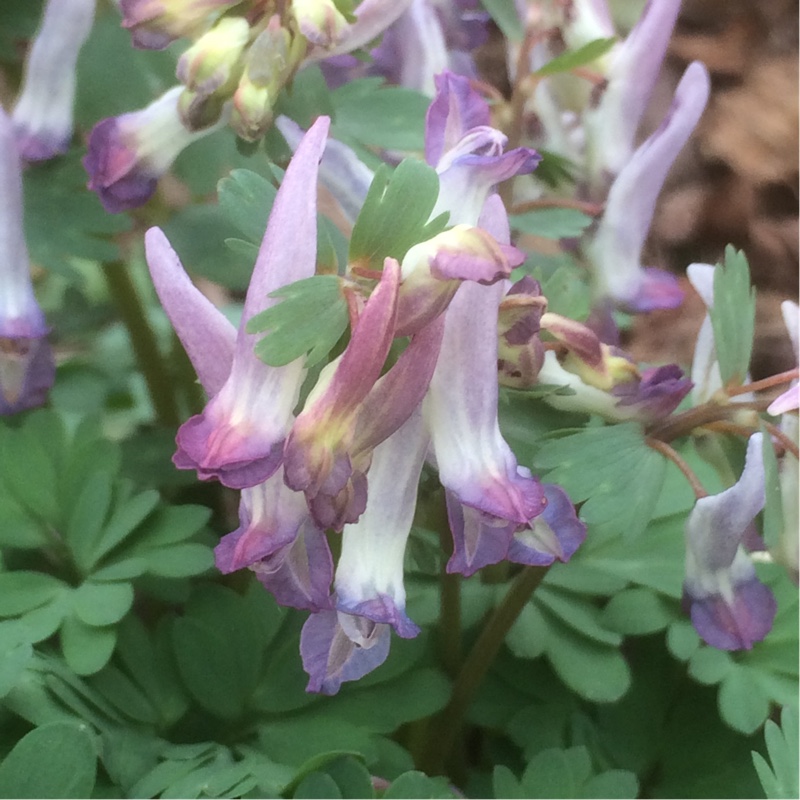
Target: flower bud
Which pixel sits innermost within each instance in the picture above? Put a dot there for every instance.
(270, 62)
(155, 23)
(320, 21)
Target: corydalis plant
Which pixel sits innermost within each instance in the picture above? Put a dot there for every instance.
(360, 430)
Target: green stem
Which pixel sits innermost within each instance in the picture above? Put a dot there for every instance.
(446, 729)
(143, 340)
(449, 604)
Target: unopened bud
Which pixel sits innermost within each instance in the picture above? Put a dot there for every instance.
(155, 23)
(323, 22)
(270, 63)
(214, 61)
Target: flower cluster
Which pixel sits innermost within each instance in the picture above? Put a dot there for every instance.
(242, 55)
(594, 125)
(351, 459)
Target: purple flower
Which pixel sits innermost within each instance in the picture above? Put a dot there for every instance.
(728, 605)
(634, 65)
(616, 247)
(239, 436)
(128, 154)
(27, 370)
(42, 116)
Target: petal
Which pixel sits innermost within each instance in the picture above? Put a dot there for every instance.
(43, 112)
(473, 459)
(205, 332)
(455, 110)
(717, 523)
(369, 576)
(341, 171)
(479, 539)
(734, 611)
(299, 574)
(270, 516)
(317, 449)
(330, 657)
(555, 534)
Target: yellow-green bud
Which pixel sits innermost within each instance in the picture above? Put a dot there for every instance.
(215, 59)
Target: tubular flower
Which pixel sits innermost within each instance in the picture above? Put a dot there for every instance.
(26, 361)
(616, 247)
(728, 605)
(42, 116)
(345, 644)
(239, 436)
(633, 68)
(474, 462)
(128, 154)
(276, 537)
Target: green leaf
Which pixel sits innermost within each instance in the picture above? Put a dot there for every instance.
(709, 665)
(390, 117)
(682, 639)
(86, 648)
(772, 529)
(591, 51)
(636, 612)
(15, 655)
(100, 604)
(124, 694)
(246, 199)
(733, 316)
(180, 561)
(395, 214)
(23, 591)
(505, 784)
(743, 704)
(418, 784)
(55, 760)
(18, 529)
(598, 673)
(504, 13)
(63, 220)
(351, 776)
(87, 517)
(318, 785)
(611, 470)
(779, 776)
(582, 617)
(198, 234)
(125, 518)
(311, 318)
(556, 773)
(551, 223)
